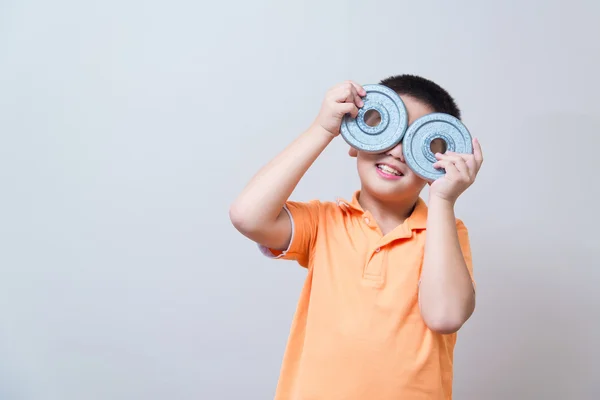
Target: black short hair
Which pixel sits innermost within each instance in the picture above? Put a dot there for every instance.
(424, 90)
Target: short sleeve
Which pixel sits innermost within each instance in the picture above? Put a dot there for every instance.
(304, 217)
(465, 245)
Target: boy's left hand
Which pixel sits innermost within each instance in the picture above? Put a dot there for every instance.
(461, 170)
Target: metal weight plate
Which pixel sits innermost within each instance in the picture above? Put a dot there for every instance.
(388, 133)
(416, 144)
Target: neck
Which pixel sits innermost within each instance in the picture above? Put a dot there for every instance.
(388, 212)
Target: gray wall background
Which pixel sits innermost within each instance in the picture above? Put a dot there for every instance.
(128, 127)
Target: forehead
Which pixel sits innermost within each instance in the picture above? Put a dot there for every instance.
(415, 108)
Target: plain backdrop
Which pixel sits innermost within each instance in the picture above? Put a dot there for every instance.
(128, 128)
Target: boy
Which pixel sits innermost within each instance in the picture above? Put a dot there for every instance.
(389, 280)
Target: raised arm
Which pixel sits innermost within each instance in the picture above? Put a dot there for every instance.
(446, 291)
(258, 212)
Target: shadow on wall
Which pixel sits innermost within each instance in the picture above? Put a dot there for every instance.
(534, 334)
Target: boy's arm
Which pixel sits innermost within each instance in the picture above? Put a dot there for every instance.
(258, 211)
(446, 290)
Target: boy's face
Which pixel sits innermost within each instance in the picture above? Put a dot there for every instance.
(385, 175)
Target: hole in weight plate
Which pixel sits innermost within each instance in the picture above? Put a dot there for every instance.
(372, 118)
(438, 145)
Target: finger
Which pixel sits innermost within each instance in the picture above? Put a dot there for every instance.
(461, 166)
(356, 95)
(470, 160)
(467, 173)
(342, 93)
(441, 164)
(359, 89)
(477, 153)
(449, 167)
(352, 152)
(348, 108)
(357, 99)
(464, 164)
(452, 171)
(452, 157)
(349, 93)
(464, 156)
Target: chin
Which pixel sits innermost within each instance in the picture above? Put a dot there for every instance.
(395, 190)
(385, 190)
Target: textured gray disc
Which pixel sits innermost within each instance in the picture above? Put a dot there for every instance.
(388, 133)
(416, 144)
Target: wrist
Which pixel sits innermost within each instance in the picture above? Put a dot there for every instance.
(317, 130)
(440, 202)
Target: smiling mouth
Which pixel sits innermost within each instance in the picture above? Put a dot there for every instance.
(389, 170)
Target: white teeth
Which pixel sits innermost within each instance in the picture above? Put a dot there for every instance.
(389, 170)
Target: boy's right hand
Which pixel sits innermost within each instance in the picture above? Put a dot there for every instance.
(258, 212)
(342, 99)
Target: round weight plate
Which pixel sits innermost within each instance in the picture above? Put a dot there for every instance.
(416, 144)
(388, 133)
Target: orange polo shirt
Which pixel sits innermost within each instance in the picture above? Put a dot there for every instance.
(358, 332)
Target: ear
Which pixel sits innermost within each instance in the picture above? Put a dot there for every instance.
(352, 152)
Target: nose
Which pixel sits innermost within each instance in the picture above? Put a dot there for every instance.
(396, 152)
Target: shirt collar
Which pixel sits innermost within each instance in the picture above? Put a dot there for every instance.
(417, 219)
